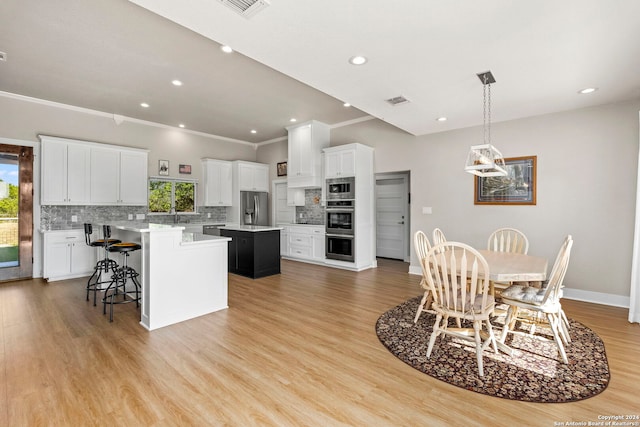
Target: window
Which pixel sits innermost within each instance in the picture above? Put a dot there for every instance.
(168, 195)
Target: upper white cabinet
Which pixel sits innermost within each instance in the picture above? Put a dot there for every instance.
(304, 165)
(217, 182)
(252, 176)
(105, 167)
(86, 173)
(118, 176)
(133, 177)
(64, 173)
(339, 162)
(295, 196)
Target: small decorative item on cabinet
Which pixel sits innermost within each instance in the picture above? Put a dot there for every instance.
(163, 167)
(282, 169)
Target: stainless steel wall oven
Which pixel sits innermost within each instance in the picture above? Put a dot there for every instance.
(340, 230)
(340, 247)
(340, 215)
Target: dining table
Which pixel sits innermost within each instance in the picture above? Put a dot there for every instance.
(509, 267)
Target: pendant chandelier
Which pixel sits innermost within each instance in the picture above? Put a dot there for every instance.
(485, 159)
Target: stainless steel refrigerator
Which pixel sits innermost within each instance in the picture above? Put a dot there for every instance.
(254, 207)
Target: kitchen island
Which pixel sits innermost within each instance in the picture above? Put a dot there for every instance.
(183, 275)
(254, 250)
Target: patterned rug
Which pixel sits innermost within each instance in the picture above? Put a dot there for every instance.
(534, 373)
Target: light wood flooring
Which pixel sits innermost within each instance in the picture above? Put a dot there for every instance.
(297, 349)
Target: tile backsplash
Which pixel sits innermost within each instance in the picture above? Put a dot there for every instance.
(312, 212)
(59, 217)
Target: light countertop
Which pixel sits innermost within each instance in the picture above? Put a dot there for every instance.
(251, 228)
(191, 238)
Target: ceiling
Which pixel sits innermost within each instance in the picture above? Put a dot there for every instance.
(291, 60)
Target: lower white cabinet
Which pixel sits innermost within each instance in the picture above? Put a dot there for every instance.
(66, 255)
(305, 243)
(284, 241)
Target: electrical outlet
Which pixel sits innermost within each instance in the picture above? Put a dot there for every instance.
(139, 216)
(208, 214)
(74, 218)
(130, 217)
(427, 210)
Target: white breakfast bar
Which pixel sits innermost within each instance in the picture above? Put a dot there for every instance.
(183, 275)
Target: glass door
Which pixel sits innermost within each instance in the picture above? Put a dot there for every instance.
(16, 212)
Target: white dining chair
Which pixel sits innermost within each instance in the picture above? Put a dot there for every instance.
(422, 246)
(459, 278)
(544, 300)
(438, 236)
(508, 240)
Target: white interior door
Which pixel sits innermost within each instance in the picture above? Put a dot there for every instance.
(282, 213)
(392, 221)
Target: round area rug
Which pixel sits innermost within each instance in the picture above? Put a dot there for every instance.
(534, 373)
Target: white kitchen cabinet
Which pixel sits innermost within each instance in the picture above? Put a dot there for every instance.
(118, 176)
(64, 172)
(305, 144)
(339, 162)
(306, 243)
(295, 196)
(105, 165)
(284, 241)
(88, 173)
(252, 176)
(66, 255)
(217, 178)
(133, 177)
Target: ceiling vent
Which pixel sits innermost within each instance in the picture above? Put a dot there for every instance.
(398, 100)
(246, 8)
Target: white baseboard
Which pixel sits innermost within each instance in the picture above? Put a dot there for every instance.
(596, 297)
(574, 294)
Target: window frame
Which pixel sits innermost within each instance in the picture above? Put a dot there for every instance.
(173, 182)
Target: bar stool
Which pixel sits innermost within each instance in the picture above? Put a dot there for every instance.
(116, 292)
(103, 265)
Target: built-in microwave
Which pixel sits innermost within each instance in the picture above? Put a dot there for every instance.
(341, 188)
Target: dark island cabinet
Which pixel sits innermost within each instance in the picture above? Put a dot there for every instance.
(253, 254)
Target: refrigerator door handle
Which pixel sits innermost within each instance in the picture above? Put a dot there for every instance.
(257, 208)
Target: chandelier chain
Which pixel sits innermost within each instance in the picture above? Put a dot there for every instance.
(486, 111)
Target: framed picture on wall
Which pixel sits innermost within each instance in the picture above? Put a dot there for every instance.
(282, 169)
(163, 167)
(517, 188)
(184, 169)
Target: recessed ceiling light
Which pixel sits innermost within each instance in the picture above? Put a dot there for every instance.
(144, 105)
(226, 49)
(293, 120)
(181, 125)
(358, 60)
(441, 119)
(346, 104)
(254, 131)
(176, 82)
(588, 90)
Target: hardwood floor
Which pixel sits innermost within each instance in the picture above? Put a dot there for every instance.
(297, 349)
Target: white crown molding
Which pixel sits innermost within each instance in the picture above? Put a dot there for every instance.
(118, 119)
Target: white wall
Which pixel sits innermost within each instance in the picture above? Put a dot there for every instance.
(586, 165)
